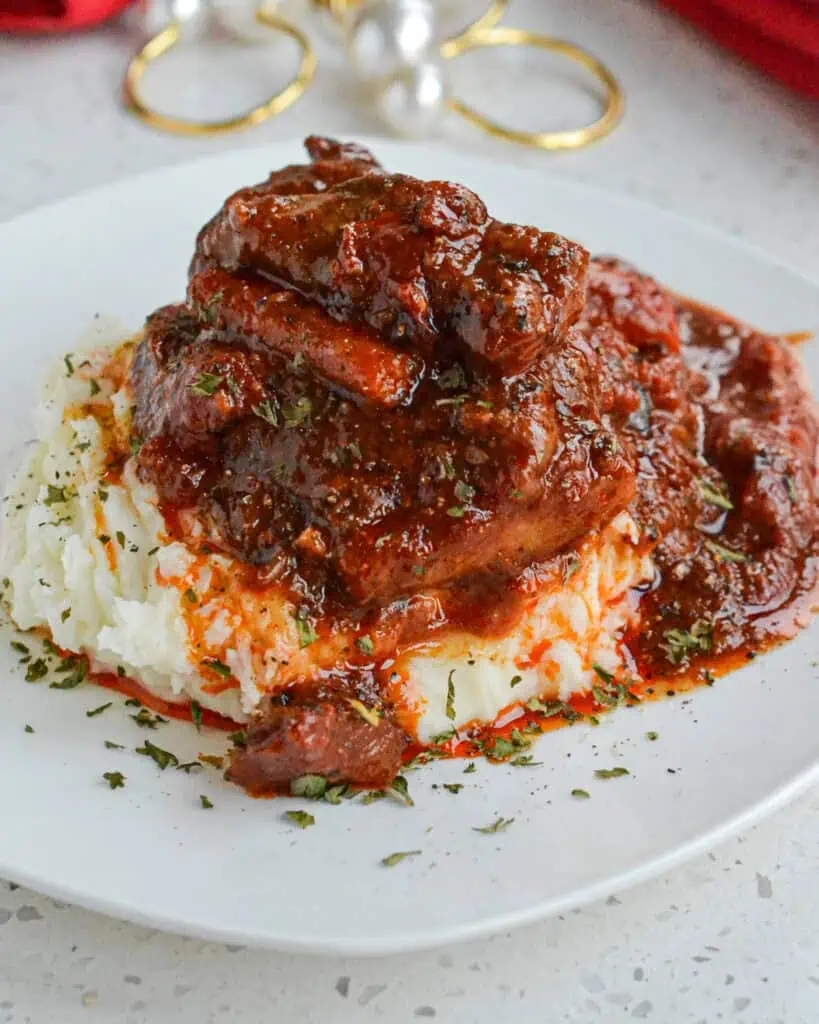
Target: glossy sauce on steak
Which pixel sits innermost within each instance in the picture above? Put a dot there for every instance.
(405, 413)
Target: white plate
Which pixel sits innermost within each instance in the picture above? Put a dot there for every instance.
(239, 872)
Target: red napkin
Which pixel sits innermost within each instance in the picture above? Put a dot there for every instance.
(779, 36)
(55, 15)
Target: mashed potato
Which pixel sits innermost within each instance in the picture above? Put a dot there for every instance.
(88, 558)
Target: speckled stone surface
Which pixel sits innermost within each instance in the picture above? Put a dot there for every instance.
(734, 936)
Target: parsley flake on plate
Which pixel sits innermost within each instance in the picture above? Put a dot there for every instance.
(498, 825)
(300, 818)
(396, 858)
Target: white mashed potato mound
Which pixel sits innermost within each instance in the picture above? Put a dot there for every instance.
(90, 561)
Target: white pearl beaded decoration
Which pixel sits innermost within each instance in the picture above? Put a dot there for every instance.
(386, 36)
(395, 50)
(412, 100)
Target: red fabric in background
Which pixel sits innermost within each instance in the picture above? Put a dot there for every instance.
(780, 36)
(56, 15)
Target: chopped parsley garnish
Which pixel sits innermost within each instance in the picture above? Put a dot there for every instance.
(501, 749)
(373, 796)
(145, 719)
(298, 412)
(456, 511)
(69, 365)
(419, 570)
(110, 745)
(214, 760)
(307, 634)
(652, 735)
(65, 615)
(604, 674)
(300, 818)
(611, 773)
(457, 400)
(266, 411)
(613, 694)
(581, 794)
(370, 715)
(36, 670)
(136, 444)
(714, 497)
(29, 728)
(365, 645)
(513, 682)
(207, 311)
(401, 789)
(499, 825)
(463, 491)
(398, 856)
(239, 739)
(311, 787)
(335, 794)
(196, 714)
(120, 539)
(191, 596)
(790, 484)
(188, 767)
(450, 696)
(116, 780)
(681, 643)
(453, 787)
(551, 708)
(205, 801)
(94, 386)
(56, 495)
(470, 768)
(93, 712)
(219, 667)
(452, 378)
(75, 676)
(19, 647)
(104, 538)
(163, 758)
(207, 384)
(525, 761)
(726, 554)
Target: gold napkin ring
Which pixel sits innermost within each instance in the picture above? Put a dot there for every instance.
(165, 40)
(574, 138)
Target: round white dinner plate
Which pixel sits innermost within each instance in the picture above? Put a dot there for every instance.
(242, 873)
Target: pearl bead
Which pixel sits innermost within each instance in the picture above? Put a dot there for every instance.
(412, 100)
(153, 15)
(386, 35)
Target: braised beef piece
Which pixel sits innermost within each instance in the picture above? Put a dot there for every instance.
(320, 737)
(409, 413)
(740, 570)
(476, 476)
(375, 470)
(421, 262)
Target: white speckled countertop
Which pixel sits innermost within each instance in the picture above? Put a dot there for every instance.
(733, 936)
